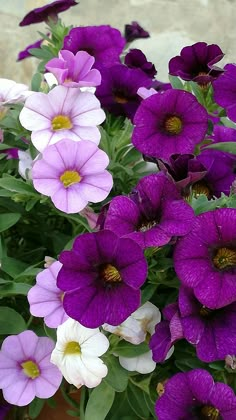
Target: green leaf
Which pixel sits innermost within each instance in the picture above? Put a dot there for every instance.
(36, 82)
(229, 147)
(176, 82)
(8, 220)
(117, 376)
(12, 266)
(126, 349)
(11, 322)
(51, 332)
(137, 401)
(16, 185)
(10, 288)
(100, 402)
(148, 292)
(35, 407)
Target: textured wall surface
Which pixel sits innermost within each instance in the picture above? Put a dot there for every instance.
(172, 24)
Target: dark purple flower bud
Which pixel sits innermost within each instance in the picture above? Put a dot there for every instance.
(25, 53)
(135, 31)
(48, 11)
(136, 59)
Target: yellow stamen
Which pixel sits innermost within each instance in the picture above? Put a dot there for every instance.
(147, 225)
(224, 258)
(110, 274)
(173, 125)
(210, 412)
(72, 347)
(69, 178)
(30, 369)
(61, 122)
(201, 188)
(120, 99)
(205, 312)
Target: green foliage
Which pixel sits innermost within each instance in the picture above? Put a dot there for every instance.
(100, 402)
(11, 322)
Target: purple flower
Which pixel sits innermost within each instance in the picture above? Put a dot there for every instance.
(169, 123)
(223, 134)
(118, 90)
(48, 11)
(26, 370)
(101, 277)
(194, 395)
(213, 332)
(135, 31)
(152, 215)
(205, 259)
(26, 53)
(72, 174)
(45, 298)
(74, 70)
(167, 332)
(196, 62)
(225, 91)
(160, 86)
(103, 42)
(136, 59)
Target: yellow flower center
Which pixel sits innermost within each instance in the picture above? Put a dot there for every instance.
(173, 125)
(72, 347)
(30, 369)
(201, 188)
(120, 99)
(210, 412)
(110, 274)
(61, 122)
(205, 312)
(224, 258)
(69, 178)
(144, 226)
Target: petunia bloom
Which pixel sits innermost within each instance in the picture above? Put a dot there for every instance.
(62, 113)
(45, 298)
(143, 363)
(101, 277)
(26, 370)
(72, 174)
(153, 214)
(74, 70)
(196, 62)
(50, 10)
(135, 31)
(213, 332)
(224, 91)
(77, 354)
(12, 92)
(26, 52)
(205, 259)
(136, 59)
(194, 395)
(103, 42)
(169, 123)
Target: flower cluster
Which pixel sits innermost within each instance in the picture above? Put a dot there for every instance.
(123, 187)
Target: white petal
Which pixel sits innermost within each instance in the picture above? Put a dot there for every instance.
(142, 364)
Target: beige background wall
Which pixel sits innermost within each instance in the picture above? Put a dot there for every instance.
(172, 24)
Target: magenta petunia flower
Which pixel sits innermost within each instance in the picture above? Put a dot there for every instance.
(50, 10)
(118, 90)
(72, 174)
(194, 395)
(25, 53)
(205, 259)
(103, 42)
(62, 113)
(101, 277)
(135, 31)
(196, 62)
(169, 123)
(223, 134)
(153, 214)
(213, 332)
(225, 91)
(45, 298)
(136, 59)
(167, 333)
(26, 370)
(74, 70)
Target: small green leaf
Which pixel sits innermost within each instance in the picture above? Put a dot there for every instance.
(8, 220)
(229, 147)
(11, 289)
(35, 407)
(16, 185)
(176, 82)
(100, 402)
(36, 82)
(126, 349)
(51, 332)
(11, 322)
(137, 401)
(117, 376)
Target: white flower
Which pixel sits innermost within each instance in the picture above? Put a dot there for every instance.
(25, 164)
(142, 364)
(12, 92)
(77, 354)
(135, 328)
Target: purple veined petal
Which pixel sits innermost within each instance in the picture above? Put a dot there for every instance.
(76, 305)
(69, 200)
(172, 222)
(31, 118)
(96, 187)
(91, 134)
(47, 186)
(223, 398)
(56, 318)
(123, 215)
(197, 377)
(21, 392)
(48, 382)
(96, 163)
(70, 279)
(207, 348)
(59, 98)
(160, 342)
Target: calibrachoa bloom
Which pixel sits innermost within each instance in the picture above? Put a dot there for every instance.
(153, 214)
(135, 58)
(26, 370)
(169, 123)
(224, 90)
(196, 62)
(223, 134)
(135, 31)
(103, 42)
(118, 90)
(50, 10)
(26, 52)
(142, 363)
(194, 395)
(212, 331)
(135, 328)
(205, 259)
(12, 92)
(45, 298)
(74, 70)
(77, 354)
(62, 113)
(101, 277)
(72, 174)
